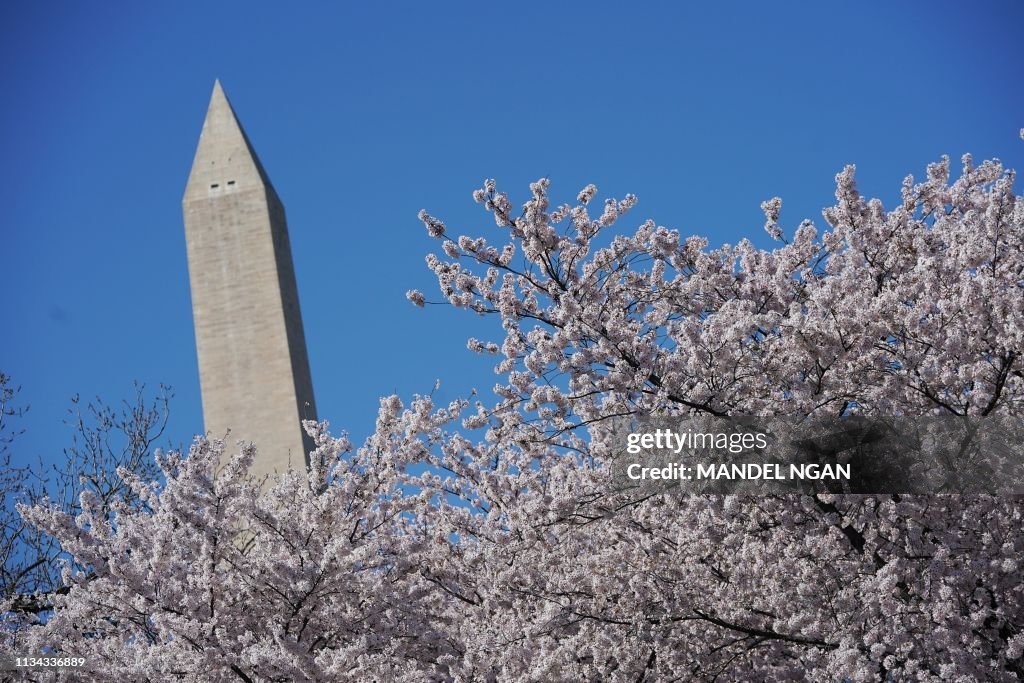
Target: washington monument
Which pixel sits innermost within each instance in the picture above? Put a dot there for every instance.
(253, 370)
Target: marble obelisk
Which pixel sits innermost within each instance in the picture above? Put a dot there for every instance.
(253, 369)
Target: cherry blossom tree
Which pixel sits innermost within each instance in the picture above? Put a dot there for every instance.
(486, 540)
(918, 310)
(104, 439)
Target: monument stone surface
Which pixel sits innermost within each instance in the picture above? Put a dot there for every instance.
(253, 369)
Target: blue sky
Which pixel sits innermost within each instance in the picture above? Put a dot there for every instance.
(365, 114)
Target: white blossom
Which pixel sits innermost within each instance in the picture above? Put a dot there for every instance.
(416, 296)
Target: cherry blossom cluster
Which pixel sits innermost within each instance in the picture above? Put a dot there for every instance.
(486, 540)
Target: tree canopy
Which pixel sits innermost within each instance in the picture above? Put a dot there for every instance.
(484, 541)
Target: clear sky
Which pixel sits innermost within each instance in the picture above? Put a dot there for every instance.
(364, 113)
